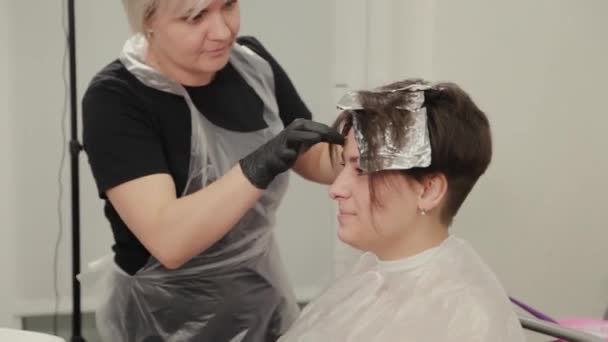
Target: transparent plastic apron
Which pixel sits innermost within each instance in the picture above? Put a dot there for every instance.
(237, 290)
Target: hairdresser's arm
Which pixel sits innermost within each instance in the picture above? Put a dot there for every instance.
(176, 229)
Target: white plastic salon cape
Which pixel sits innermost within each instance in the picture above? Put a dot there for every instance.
(237, 290)
(443, 294)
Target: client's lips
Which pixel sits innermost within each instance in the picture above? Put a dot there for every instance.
(345, 216)
(217, 51)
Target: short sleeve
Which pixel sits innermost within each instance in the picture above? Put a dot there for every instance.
(119, 137)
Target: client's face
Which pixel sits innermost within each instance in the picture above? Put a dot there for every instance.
(383, 226)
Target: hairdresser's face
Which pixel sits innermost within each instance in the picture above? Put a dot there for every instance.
(196, 42)
(389, 222)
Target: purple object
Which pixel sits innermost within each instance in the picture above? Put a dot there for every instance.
(533, 311)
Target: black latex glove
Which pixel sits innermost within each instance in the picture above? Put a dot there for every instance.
(281, 152)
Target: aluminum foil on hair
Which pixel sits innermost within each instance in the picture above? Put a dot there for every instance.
(413, 152)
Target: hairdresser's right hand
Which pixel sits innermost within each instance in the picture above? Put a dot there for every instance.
(281, 152)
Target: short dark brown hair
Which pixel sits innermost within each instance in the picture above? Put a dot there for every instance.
(459, 132)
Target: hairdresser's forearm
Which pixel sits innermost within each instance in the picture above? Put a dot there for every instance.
(193, 223)
(174, 230)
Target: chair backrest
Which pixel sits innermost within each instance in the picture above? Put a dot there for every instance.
(554, 330)
(26, 336)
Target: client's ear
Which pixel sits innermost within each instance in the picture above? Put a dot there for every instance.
(435, 189)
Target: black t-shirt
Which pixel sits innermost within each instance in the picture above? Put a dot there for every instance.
(131, 130)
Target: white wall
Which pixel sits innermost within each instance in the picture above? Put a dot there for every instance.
(538, 68)
(7, 223)
(38, 107)
(40, 112)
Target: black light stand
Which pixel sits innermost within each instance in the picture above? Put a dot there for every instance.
(75, 149)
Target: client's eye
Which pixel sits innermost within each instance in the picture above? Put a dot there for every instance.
(230, 3)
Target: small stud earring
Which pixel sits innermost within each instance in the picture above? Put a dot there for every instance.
(423, 212)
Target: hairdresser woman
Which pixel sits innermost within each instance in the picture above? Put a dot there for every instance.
(189, 136)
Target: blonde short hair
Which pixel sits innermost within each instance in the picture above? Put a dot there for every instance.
(138, 11)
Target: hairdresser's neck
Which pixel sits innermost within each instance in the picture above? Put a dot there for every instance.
(175, 71)
(425, 236)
